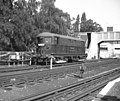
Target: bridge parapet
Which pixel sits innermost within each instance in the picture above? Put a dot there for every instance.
(111, 38)
(108, 36)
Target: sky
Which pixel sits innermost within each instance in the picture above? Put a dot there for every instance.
(104, 12)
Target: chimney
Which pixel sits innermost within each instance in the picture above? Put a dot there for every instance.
(109, 29)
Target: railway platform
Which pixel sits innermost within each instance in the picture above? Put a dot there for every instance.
(111, 92)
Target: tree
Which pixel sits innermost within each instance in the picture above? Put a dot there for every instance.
(76, 25)
(5, 26)
(24, 31)
(53, 19)
(89, 25)
(83, 18)
(21, 21)
(17, 28)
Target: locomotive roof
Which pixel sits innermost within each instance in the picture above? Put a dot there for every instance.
(57, 35)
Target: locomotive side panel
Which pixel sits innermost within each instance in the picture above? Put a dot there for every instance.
(68, 47)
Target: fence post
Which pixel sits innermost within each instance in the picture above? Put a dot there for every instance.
(30, 60)
(51, 62)
(22, 60)
(9, 61)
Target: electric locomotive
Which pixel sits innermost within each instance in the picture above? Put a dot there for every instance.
(60, 47)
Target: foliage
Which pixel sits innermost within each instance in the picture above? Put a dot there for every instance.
(52, 19)
(89, 25)
(21, 21)
(83, 18)
(5, 26)
(17, 26)
(76, 24)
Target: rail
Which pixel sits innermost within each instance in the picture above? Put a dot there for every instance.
(46, 74)
(17, 79)
(77, 90)
(16, 68)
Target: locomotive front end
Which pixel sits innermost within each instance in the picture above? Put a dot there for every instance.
(44, 46)
(41, 46)
(43, 49)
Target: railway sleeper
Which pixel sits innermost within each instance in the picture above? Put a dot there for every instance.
(20, 85)
(51, 99)
(46, 76)
(61, 75)
(47, 79)
(6, 84)
(68, 95)
(19, 82)
(76, 90)
(55, 76)
(6, 88)
(94, 82)
(39, 80)
(30, 81)
(68, 72)
(59, 96)
(58, 99)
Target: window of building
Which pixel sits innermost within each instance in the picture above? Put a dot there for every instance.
(117, 48)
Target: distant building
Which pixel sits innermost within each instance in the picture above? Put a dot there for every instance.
(109, 29)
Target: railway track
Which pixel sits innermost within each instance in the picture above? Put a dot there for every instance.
(76, 91)
(22, 77)
(71, 90)
(32, 67)
(14, 68)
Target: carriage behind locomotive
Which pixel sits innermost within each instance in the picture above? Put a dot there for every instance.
(60, 47)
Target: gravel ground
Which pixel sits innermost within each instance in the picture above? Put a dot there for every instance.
(14, 92)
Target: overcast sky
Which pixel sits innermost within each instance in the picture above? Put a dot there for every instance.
(104, 12)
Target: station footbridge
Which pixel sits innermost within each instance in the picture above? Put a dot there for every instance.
(102, 44)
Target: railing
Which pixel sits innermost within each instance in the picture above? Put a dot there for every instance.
(15, 58)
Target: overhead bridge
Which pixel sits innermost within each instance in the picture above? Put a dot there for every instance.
(114, 42)
(97, 40)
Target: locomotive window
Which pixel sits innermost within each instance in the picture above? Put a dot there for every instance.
(56, 40)
(48, 40)
(40, 40)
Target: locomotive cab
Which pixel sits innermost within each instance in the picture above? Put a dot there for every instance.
(43, 49)
(44, 44)
(41, 44)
